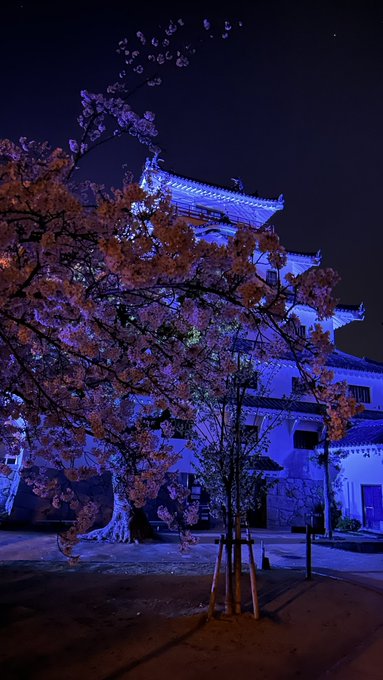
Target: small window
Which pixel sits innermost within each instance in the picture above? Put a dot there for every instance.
(271, 277)
(361, 393)
(298, 387)
(249, 381)
(195, 492)
(305, 439)
(252, 382)
(296, 328)
(250, 432)
(9, 459)
(182, 428)
(244, 345)
(211, 212)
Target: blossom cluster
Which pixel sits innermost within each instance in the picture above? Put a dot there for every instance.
(145, 58)
(182, 513)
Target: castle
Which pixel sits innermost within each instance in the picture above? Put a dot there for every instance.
(215, 212)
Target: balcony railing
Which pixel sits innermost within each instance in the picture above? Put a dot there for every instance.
(206, 215)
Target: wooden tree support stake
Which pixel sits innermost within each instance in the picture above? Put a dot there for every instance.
(213, 592)
(252, 568)
(238, 564)
(253, 578)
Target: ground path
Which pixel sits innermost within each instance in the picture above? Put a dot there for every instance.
(138, 612)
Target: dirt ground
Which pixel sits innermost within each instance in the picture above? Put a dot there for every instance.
(77, 624)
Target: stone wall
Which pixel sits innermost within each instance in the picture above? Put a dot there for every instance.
(290, 500)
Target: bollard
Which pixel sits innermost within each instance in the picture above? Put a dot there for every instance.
(265, 562)
(308, 552)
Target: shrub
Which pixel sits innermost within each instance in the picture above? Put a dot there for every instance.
(348, 524)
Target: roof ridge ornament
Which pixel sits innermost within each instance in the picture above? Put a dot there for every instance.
(238, 184)
(154, 162)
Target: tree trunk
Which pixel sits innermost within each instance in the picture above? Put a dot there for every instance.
(327, 493)
(240, 395)
(128, 524)
(229, 563)
(238, 563)
(118, 529)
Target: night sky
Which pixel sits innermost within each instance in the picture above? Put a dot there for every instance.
(292, 103)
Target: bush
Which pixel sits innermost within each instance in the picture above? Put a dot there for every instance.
(348, 524)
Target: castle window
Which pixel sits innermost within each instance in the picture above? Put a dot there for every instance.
(305, 439)
(243, 345)
(298, 387)
(182, 428)
(361, 393)
(271, 277)
(211, 213)
(252, 382)
(249, 381)
(296, 328)
(250, 433)
(9, 459)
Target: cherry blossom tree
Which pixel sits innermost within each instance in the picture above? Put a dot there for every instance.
(112, 311)
(51, 395)
(107, 306)
(229, 453)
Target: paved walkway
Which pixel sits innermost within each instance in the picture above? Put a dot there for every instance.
(24, 555)
(284, 550)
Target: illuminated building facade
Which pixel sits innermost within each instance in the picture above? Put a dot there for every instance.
(215, 212)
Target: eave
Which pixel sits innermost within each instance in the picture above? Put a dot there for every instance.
(187, 193)
(345, 314)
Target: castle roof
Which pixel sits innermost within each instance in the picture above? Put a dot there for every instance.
(220, 188)
(219, 206)
(349, 362)
(338, 359)
(193, 195)
(345, 314)
(315, 257)
(302, 408)
(362, 434)
(286, 405)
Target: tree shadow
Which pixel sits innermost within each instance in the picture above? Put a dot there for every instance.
(158, 651)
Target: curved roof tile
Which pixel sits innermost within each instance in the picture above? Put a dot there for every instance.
(361, 435)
